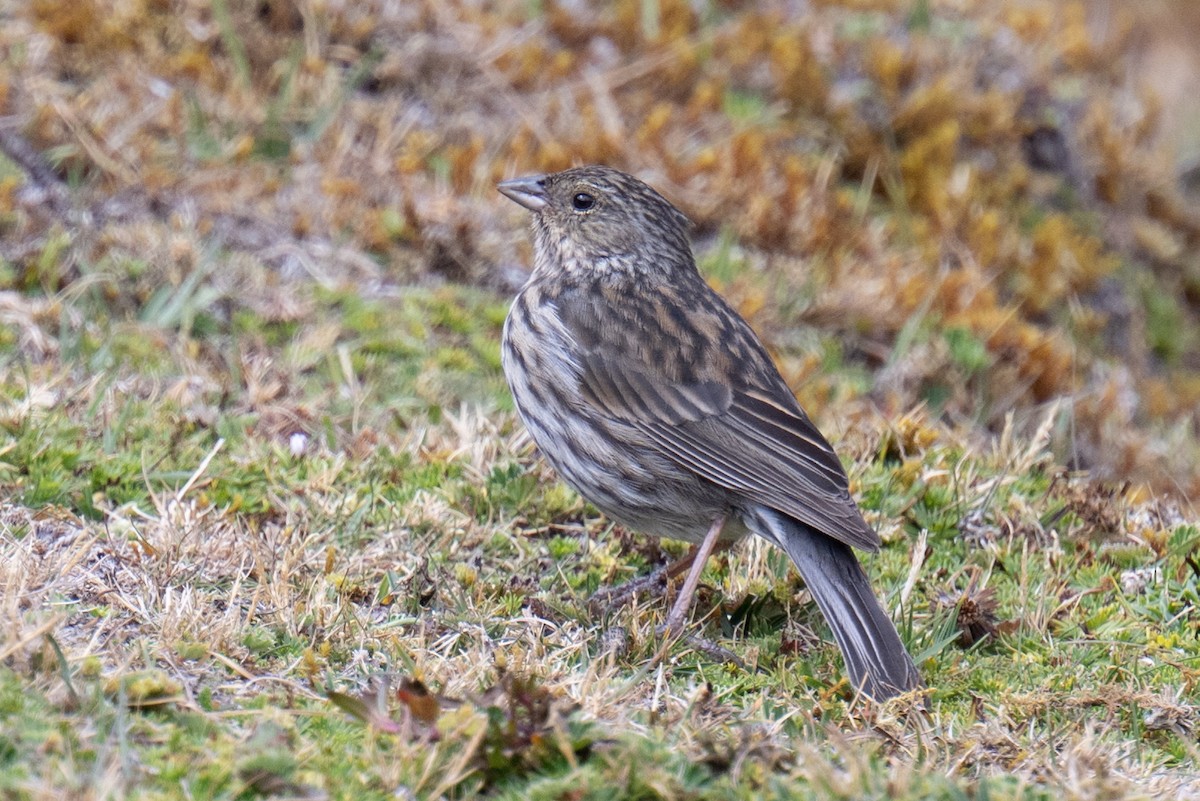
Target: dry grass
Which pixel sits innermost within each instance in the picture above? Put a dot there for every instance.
(256, 452)
(244, 622)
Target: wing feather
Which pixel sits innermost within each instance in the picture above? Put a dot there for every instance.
(751, 440)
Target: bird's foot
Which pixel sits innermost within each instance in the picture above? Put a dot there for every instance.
(609, 600)
(704, 645)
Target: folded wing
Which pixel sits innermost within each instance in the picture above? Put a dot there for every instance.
(747, 436)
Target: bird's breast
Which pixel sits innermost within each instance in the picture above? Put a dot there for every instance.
(607, 461)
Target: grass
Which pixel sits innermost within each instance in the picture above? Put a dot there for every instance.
(216, 545)
(270, 527)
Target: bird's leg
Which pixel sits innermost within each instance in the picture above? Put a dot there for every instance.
(699, 557)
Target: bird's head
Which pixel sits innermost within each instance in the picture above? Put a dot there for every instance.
(601, 219)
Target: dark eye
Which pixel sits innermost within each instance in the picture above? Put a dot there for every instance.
(583, 201)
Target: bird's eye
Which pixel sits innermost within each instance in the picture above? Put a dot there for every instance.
(583, 201)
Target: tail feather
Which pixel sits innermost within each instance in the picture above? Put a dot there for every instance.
(876, 659)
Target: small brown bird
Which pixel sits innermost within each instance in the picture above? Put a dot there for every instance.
(657, 402)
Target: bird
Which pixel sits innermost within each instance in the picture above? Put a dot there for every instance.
(656, 401)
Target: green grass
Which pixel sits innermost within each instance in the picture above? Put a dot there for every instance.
(213, 527)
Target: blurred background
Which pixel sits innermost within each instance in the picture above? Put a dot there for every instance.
(972, 208)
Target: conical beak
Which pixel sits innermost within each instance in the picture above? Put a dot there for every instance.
(529, 191)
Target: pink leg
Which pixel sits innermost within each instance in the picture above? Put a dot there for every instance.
(684, 602)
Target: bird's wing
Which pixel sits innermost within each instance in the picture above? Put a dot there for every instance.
(744, 432)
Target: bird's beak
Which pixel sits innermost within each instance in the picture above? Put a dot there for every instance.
(529, 191)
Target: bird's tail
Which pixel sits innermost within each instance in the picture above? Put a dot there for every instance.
(876, 659)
